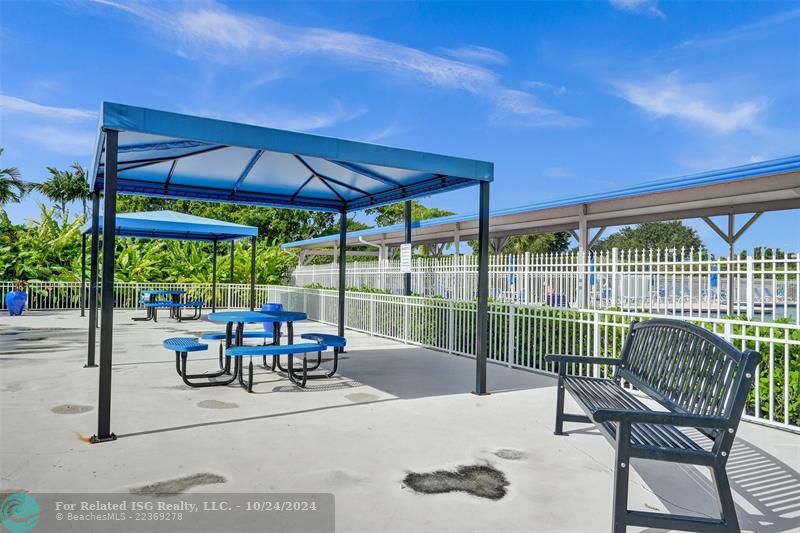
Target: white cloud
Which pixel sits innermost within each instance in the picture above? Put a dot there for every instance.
(525, 109)
(477, 54)
(12, 104)
(285, 119)
(213, 31)
(558, 90)
(381, 134)
(61, 140)
(699, 104)
(649, 7)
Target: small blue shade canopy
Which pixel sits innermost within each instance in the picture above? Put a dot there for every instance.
(178, 226)
(171, 155)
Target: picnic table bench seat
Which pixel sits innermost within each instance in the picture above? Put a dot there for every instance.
(699, 380)
(182, 346)
(153, 307)
(221, 336)
(274, 351)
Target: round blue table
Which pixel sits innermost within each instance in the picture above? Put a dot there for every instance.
(240, 318)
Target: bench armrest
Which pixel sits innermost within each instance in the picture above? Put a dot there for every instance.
(658, 417)
(582, 359)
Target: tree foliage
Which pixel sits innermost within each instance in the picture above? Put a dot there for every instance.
(12, 188)
(386, 215)
(49, 249)
(64, 186)
(664, 235)
(537, 244)
(275, 226)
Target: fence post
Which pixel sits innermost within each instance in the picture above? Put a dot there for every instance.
(749, 288)
(511, 335)
(406, 318)
(596, 340)
(727, 331)
(451, 326)
(372, 311)
(614, 255)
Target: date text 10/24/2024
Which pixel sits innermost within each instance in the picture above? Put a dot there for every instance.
(188, 507)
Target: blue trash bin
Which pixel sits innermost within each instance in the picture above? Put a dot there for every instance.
(271, 307)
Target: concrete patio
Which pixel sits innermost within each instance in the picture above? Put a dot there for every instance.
(393, 410)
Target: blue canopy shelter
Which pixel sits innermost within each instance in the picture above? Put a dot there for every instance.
(161, 225)
(155, 153)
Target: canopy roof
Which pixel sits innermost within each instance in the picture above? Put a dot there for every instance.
(180, 156)
(764, 186)
(172, 225)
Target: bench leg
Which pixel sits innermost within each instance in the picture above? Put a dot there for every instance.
(178, 314)
(186, 377)
(622, 468)
(319, 361)
(727, 509)
(560, 405)
(292, 377)
(155, 314)
(335, 363)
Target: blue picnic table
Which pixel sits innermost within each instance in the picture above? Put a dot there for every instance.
(150, 301)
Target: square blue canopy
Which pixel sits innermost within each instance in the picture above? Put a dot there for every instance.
(171, 155)
(173, 225)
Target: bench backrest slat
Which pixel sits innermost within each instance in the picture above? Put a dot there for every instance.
(685, 367)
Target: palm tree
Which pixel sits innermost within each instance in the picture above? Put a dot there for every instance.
(12, 188)
(79, 176)
(64, 186)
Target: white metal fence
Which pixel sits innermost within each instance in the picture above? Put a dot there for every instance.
(521, 335)
(671, 282)
(43, 295)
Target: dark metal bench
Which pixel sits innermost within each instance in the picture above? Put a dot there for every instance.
(700, 381)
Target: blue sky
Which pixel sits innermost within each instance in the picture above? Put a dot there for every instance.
(565, 98)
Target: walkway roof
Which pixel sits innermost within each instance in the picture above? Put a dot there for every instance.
(764, 186)
(172, 225)
(180, 156)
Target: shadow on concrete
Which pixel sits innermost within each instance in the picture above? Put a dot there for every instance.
(246, 419)
(766, 490)
(409, 372)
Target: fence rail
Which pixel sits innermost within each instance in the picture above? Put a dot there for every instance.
(667, 282)
(44, 295)
(520, 335)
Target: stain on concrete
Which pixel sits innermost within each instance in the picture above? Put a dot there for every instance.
(13, 387)
(216, 404)
(358, 397)
(179, 485)
(83, 438)
(511, 454)
(340, 478)
(71, 409)
(483, 481)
